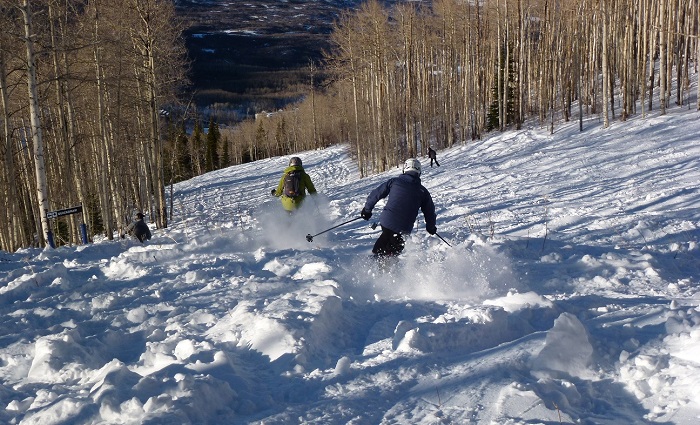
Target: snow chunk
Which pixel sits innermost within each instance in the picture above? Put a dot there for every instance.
(567, 349)
(312, 271)
(515, 302)
(121, 269)
(184, 349)
(342, 367)
(278, 268)
(137, 315)
(58, 358)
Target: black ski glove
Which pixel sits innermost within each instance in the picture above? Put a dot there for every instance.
(431, 229)
(272, 192)
(366, 214)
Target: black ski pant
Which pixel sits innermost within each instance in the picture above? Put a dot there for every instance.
(389, 243)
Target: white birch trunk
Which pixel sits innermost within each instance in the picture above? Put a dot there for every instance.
(606, 74)
(662, 57)
(36, 131)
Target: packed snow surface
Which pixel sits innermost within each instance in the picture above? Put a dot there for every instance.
(568, 293)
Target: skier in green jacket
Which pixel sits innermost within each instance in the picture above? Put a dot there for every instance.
(293, 185)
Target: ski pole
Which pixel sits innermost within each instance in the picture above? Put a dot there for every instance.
(311, 237)
(443, 239)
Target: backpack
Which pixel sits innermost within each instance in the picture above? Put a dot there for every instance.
(292, 184)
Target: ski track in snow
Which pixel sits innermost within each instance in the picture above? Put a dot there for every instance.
(570, 295)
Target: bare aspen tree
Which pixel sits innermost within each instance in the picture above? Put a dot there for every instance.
(507, 95)
(36, 126)
(407, 16)
(642, 50)
(653, 50)
(679, 49)
(449, 80)
(484, 78)
(103, 146)
(577, 51)
(604, 65)
(145, 41)
(614, 68)
(62, 18)
(691, 54)
(378, 86)
(7, 183)
(663, 36)
(521, 50)
(499, 66)
(668, 28)
(683, 42)
(28, 180)
(544, 67)
(505, 70)
(423, 63)
(342, 38)
(469, 64)
(625, 26)
(312, 89)
(12, 229)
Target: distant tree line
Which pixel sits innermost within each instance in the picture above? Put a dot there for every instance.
(413, 75)
(311, 123)
(82, 85)
(448, 72)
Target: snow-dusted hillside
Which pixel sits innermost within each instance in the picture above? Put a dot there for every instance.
(569, 295)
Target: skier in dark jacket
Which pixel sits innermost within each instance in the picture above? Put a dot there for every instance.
(292, 201)
(138, 228)
(433, 157)
(406, 196)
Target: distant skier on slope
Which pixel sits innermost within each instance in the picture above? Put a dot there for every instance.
(433, 157)
(293, 185)
(138, 228)
(406, 196)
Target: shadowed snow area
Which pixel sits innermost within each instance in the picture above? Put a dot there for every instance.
(569, 294)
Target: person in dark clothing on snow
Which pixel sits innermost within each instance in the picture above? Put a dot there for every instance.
(406, 196)
(293, 185)
(433, 156)
(138, 228)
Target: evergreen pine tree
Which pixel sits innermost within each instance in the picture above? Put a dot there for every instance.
(493, 116)
(183, 168)
(225, 160)
(212, 146)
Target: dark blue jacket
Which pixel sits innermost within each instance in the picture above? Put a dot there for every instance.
(140, 229)
(406, 195)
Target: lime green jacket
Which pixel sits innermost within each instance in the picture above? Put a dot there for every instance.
(290, 204)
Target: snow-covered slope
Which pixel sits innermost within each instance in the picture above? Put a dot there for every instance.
(569, 294)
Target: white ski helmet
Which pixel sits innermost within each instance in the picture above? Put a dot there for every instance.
(412, 165)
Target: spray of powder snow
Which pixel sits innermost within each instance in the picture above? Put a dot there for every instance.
(281, 230)
(466, 272)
